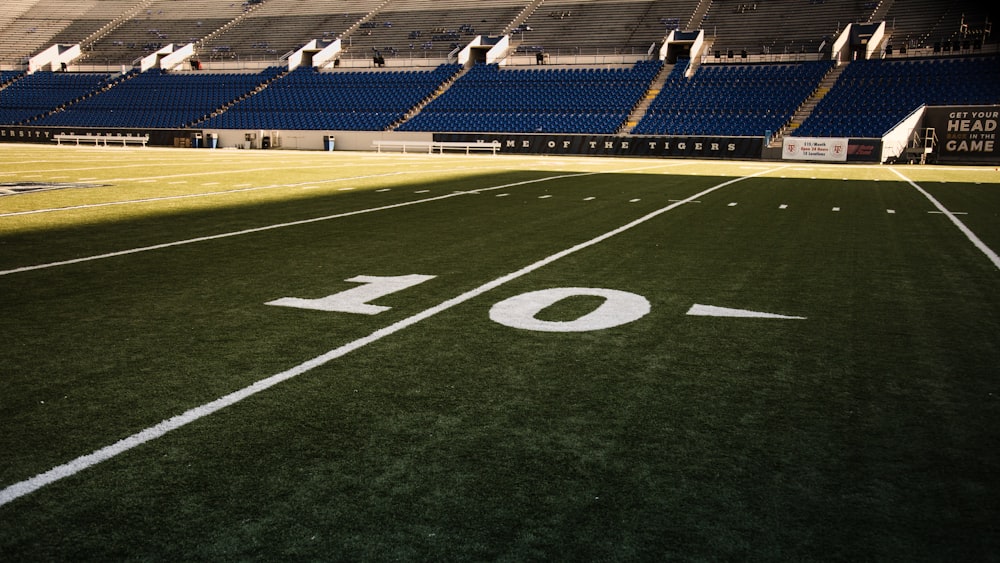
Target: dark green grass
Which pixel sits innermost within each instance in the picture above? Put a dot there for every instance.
(865, 432)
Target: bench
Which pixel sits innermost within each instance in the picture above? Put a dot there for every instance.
(102, 139)
(436, 146)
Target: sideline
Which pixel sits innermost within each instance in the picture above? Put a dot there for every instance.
(77, 465)
(976, 241)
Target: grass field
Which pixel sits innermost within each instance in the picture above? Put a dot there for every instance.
(495, 358)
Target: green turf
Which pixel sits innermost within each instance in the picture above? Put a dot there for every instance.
(866, 431)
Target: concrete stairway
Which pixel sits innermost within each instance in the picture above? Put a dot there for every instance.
(640, 109)
(807, 107)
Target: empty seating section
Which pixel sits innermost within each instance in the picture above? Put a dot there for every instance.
(41, 92)
(37, 26)
(416, 28)
(488, 98)
(780, 26)
(277, 27)
(352, 101)
(568, 27)
(157, 99)
(741, 100)
(871, 97)
(101, 13)
(161, 23)
(924, 23)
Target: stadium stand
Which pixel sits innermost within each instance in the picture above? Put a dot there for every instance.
(160, 23)
(736, 100)
(762, 63)
(872, 96)
(415, 29)
(275, 28)
(779, 26)
(160, 100)
(917, 24)
(351, 101)
(42, 92)
(618, 26)
(489, 98)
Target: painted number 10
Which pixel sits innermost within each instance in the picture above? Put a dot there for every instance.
(520, 311)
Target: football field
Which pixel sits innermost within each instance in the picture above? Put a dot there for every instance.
(227, 355)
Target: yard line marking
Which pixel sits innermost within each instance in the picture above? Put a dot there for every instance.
(951, 216)
(545, 196)
(22, 488)
(283, 225)
(591, 198)
(953, 213)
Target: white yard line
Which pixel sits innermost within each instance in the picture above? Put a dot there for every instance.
(976, 241)
(81, 463)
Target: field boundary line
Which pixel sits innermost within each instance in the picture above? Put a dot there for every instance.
(22, 488)
(976, 241)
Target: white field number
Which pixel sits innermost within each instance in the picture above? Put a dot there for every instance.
(520, 311)
(356, 300)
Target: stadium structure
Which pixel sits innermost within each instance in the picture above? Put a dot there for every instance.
(823, 80)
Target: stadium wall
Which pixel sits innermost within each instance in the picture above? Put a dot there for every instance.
(612, 145)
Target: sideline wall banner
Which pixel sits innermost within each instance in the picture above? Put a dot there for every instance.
(965, 134)
(831, 149)
(746, 148)
(27, 134)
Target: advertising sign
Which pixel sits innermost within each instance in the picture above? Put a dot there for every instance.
(28, 134)
(965, 134)
(831, 149)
